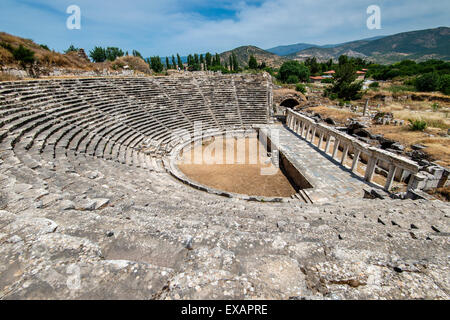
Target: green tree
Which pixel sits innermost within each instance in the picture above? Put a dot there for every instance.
(345, 86)
(292, 79)
(217, 60)
(174, 63)
(235, 62)
(343, 60)
(180, 62)
(314, 67)
(156, 64)
(329, 64)
(444, 84)
(137, 54)
(252, 63)
(71, 49)
(208, 60)
(112, 53)
(428, 82)
(44, 46)
(167, 63)
(98, 54)
(293, 68)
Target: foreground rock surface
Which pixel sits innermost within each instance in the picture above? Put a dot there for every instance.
(146, 247)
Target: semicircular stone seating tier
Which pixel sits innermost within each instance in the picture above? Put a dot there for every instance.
(130, 120)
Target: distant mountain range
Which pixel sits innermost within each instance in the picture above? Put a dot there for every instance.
(294, 48)
(416, 45)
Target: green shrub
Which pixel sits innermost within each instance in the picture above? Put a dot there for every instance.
(328, 80)
(23, 55)
(7, 46)
(71, 49)
(444, 84)
(332, 96)
(417, 125)
(300, 88)
(400, 88)
(45, 47)
(428, 82)
(435, 106)
(292, 79)
(374, 85)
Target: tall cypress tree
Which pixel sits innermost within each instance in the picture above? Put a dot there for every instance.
(174, 64)
(252, 63)
(231, 64)
(180, 62)
(167, 63)
(208, 59)
(217, 60)
(235, 63)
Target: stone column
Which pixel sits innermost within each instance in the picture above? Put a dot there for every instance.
(356, 156)
(390, 177)
(370, 169)
(417, 182)
(336, 148)
(320, 140)
(327, 145)
(366, 107)
(313, 134)
(345, 153)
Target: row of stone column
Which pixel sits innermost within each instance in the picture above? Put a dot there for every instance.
(308, 130)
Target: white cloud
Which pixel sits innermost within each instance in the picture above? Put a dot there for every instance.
(170, 26)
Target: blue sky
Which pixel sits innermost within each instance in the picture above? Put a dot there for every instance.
(169, 26)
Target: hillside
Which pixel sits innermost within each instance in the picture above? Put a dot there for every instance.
(287, 50)
(416, 45)
(43, 56)
(243, 55)
(47, 61)
(290, 49)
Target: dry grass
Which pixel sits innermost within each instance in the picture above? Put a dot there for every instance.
(6, 57)
(7, 77)
(441, 193)
(437, 147)
(44, 57)
(338, 115)
(421, 111)
(135, 63)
